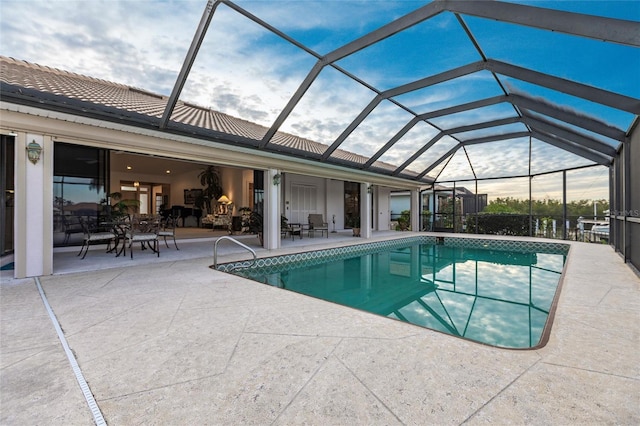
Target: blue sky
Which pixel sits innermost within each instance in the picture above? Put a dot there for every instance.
(246, 71)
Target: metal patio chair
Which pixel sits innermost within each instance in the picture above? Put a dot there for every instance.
(168, 229)
(93, 235)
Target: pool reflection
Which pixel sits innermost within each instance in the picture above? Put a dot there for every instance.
(501, 298)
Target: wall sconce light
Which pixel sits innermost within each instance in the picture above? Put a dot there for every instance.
(276, 179)
(136, 184)
(33, 152)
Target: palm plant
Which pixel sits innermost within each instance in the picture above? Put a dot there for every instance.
(212, 188)
(121, 207)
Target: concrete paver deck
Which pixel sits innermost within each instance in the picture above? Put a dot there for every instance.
(178, 343)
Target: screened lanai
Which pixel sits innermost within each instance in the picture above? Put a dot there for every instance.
(527, 100)
(446, 91)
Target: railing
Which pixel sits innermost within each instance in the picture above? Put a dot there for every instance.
(233, 240)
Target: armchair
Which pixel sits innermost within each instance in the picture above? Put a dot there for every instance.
(317, 224)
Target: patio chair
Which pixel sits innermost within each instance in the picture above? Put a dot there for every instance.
(94, 236)
(71, 225)
(168, 229)
(317, 224)
(145, 232)
(293, 229)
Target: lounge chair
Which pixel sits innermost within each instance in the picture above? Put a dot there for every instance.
(317, 224)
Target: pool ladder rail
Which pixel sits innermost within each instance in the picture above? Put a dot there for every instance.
(233, 240)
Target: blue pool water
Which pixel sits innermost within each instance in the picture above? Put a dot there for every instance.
(498, 297)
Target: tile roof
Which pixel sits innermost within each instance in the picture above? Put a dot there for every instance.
(122, 97)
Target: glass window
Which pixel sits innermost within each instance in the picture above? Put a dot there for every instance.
(352, 204)
(79, 190)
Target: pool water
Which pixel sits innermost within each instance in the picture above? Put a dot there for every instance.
(498, 297)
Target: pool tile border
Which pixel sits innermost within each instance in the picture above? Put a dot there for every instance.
(338, 253)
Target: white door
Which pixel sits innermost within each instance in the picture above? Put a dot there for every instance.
(303, 202)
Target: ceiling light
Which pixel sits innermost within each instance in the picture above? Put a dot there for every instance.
(168, 171)
(129, 167)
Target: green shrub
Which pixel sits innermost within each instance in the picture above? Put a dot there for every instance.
(499, 224)
(404, 221)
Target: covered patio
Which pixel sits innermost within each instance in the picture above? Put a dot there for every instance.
(193, 243)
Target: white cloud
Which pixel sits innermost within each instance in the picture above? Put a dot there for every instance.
(246, 71)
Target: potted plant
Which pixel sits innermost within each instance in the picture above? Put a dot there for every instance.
(353, 222)
(245, 214)
(121, 207)
(212, 188)
(256, 225)
(404, 221)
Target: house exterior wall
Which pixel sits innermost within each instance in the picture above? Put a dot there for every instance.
(33, 236)
(383, 208)
(33, 208)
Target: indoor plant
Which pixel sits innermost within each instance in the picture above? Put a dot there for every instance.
(212, 188)
(353, 222)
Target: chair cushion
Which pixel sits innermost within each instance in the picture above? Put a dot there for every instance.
(142, 236)
(100, 236)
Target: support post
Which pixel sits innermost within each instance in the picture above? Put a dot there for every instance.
(415, 210)
(271, 219)
(365, 209)
(564, 204)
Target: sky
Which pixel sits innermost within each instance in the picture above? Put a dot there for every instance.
(248, 72)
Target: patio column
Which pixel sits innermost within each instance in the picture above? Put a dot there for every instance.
(415, 209)
(366, 191)
(33, 254)
(271, 224)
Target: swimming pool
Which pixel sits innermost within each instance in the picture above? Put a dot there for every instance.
(499, 293)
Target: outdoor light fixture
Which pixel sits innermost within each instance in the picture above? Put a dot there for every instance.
(276, 179)
(136, 184)
(33, 151)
